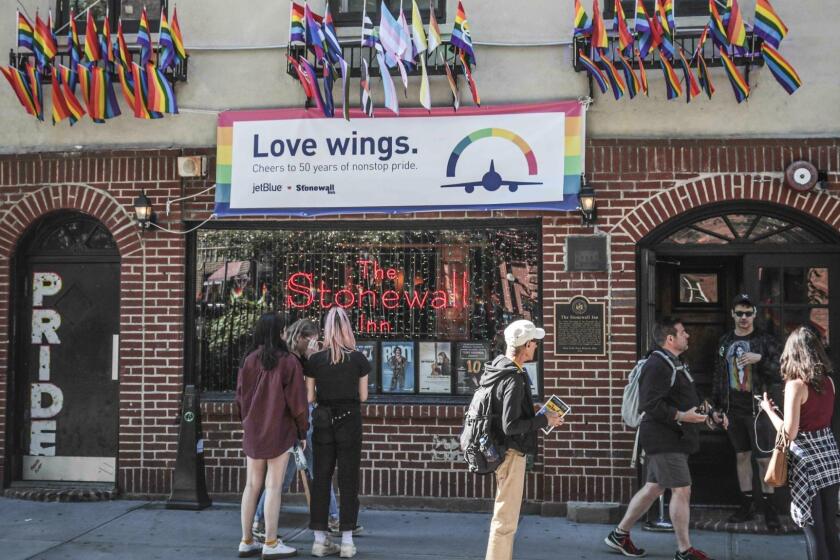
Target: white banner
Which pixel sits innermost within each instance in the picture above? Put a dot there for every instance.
(308, 165)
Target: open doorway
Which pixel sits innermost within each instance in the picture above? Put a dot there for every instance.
(693, 266)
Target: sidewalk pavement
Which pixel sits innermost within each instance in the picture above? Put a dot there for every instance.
(146, 530)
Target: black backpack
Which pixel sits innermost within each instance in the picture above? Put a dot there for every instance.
(478, 440)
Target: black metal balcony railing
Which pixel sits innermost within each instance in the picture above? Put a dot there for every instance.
(354, 54)
(177, 73)
(688, 39)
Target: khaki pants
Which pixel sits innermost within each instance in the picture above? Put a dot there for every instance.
(510, 484)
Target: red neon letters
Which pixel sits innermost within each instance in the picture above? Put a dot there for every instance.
(301, 292)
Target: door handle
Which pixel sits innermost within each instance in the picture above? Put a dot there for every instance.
(115, 357)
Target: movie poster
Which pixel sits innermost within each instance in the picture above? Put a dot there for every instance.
(469, 363)
(398, 365)
(370, 349)
(435, 367)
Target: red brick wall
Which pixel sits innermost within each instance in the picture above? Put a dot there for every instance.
(639, 184)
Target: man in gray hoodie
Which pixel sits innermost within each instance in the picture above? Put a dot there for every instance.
(515, 426)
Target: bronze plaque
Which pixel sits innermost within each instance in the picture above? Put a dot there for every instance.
(579, 327)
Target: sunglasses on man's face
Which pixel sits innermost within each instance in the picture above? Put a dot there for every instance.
(744, 313)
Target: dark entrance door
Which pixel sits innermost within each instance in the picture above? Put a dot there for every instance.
(695, 264)
(66, 412)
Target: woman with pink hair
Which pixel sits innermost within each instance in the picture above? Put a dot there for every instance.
(337, 380)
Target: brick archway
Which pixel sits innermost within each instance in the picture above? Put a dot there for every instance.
(16, 220)
(83, 198)
(688, 195)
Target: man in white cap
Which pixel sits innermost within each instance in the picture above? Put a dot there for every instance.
(515, 426)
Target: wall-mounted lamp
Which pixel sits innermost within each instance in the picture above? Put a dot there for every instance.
(143, 211)
(586, 199)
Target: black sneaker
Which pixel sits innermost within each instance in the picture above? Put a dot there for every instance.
(623, 544)
(692, 554)
(771, 517)
(745, 513)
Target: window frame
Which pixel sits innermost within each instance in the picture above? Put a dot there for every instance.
(354, 18)
(533, 225)
(130, 27)
(696, 8)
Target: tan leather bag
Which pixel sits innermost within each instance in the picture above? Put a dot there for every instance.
(777, 469)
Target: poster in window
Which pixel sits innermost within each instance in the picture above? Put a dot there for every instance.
(435, 367)
(469, 363)
(398, 366)
(370, 349)
(531, 368)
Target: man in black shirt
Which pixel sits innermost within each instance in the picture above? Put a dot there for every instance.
(517, 427)
(748, 365)
(668, 433)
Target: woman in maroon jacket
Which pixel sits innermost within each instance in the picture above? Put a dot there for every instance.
(271, 396)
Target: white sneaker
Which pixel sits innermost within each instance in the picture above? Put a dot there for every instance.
(251, 549)
(328, 548)
(347, 550)
(279, 550)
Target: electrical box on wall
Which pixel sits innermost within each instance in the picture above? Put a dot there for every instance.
(192, 166)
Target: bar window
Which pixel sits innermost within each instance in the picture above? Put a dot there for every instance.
(428, 305)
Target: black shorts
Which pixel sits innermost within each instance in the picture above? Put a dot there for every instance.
(742, 434)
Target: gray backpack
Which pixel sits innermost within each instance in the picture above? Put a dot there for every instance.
(630, 401)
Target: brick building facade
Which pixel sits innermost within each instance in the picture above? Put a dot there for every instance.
(640, 186)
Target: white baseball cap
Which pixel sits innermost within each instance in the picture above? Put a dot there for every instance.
(520, 332)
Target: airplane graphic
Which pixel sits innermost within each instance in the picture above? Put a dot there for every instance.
(491, 181)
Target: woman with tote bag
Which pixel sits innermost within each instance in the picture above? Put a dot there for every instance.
(814, 461)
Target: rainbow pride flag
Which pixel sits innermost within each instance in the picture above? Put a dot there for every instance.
(768, 25)
(461, 37)
(664, 15)
(45, 41)
(619, 88)
(297, 27)
(25, 33)
(739, 85)
(161, 97)
(105, 41)
(672, 81)
(17, 80)
(91, 40)
(625, 38)
(647, 32)
(60, 111)
(594, 71)
(144, 39)
(599, 32)
(642, 73)
(165, 43)
(126, 78)
(68, 77)
(736, 33)
(470, 81)
(704, 77)
(122, 48)
(692, 88)
(781, 69)
(583, 25)
(34, 76)
(177, 37)
(630, 78)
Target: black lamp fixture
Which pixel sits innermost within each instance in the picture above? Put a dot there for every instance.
(586, 200)
(143, 211)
